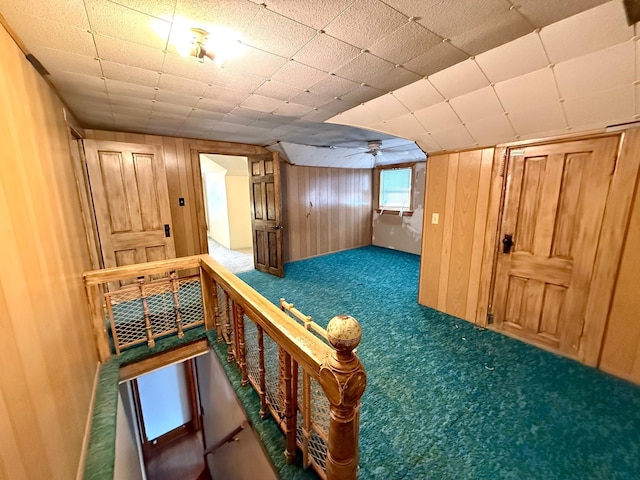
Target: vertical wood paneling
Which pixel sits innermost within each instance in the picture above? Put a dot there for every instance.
(458, 188)
(46, 347)
(339, 218)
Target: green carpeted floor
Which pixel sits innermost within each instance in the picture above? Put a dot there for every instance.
(446, 400)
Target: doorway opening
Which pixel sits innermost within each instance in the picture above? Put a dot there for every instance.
(225, 184)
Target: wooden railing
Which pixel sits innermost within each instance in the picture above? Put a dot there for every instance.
(311, 388)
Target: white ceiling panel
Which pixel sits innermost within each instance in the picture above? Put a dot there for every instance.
(234, 80)
(234, 14)
(603, 70)
(361, 94)
(310, 99)
(67, 12)
(277, 34)
(68, 62)
(129, 89)
(126, 73)
(418, 95)
(454, 138)
(292, 109)
(225, 95)
(518, 57)
(113, 20)
(157, 8)
(314, 14)
(261, 103)
(180, 110)
(298, 75)
(586, 32)
(365, 67)
(491, 130)
(459, 79)
(176, 98)
(479, 104)
(527, 91)
(215, 105)
(406, 126)
(389, 82)
(435, 59)
(389, 105)
(438, 116)
(278, 90)
(545, 12)
(326, 53)
(365, 22)
(333, 86)
(402, 44)
(131, 102)
(428, 144)
(183, 86)
(71, 81)
(188, 68)
(608, 107)
(256, 62)
(541, 118)
(127, 53)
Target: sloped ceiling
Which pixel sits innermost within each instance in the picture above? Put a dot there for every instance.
(115, 65)
(581, 73)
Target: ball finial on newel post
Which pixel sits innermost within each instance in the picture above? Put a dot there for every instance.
(343, 381)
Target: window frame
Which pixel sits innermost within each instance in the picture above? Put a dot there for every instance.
(395, 211)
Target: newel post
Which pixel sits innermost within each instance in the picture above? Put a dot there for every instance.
(343, 381)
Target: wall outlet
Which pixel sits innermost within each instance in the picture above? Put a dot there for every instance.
(181, 201)
(435, 218)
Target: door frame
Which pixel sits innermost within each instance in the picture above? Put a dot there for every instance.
(241, 150)
(610, 243)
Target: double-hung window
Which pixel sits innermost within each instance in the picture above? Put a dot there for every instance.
(395, 188)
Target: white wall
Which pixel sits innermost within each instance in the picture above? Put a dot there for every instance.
(164, 399)
(218, 220)
(127, 462)
(239, 212)
(403, 233)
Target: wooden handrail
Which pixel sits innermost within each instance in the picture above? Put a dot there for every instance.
(335, 367)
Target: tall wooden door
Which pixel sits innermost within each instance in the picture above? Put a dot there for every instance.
(131, 202)
(552, 218)
(266, 213)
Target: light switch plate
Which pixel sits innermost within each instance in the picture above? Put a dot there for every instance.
(435, 218)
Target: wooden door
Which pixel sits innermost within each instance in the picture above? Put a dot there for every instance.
(266, 214)
(553, 209)
(131, 202)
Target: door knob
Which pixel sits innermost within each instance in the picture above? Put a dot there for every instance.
(507, 243)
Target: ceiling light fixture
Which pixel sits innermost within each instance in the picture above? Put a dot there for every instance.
(219, 45)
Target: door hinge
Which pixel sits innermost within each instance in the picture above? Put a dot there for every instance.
(489, 318)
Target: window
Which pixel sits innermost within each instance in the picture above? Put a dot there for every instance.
(395, 188)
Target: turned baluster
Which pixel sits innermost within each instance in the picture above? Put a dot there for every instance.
(229, 330)
(176, 302)
(261, 373)
(210, 302)
(145, 306)
(343, 380)
(112, 322)
(289, 409)
(238, 315)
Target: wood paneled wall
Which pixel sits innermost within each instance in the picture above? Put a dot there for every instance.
(458, 192)
(47, 352)
(183, 180)
(325, 210)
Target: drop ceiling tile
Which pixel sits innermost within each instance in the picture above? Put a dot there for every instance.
(527, 91)
(459, 79)
(546, 12)
(586, 32)
(298, 75)
(365, 22)
(262, 103)
(67, 12)
(217, 106)
(133, 112)
(67, 62)
(127, 101)
(176, 97)
(314, 14)
(234, 14)
(454, 138)
(435, 59)
(389, 106)
(293, 110)
(361, 94)
(541, 118)
(114, 20)
(364, 68)
(225, 95)
(406, 126)
(491, 130)
(518, 57)
(242, 82)
(189, 68)
(195, 123)
(333, 86)
(160, 115)
(604, 70)
(310, 99)
(437, 117)
(126, 73)
(601, 108)
(402, 44)
(318, 116)
(182, 85)
(418, 95)
(358, 115)
(158, 8)
(237, 120)
(250, 112)
(277, 34)
(117, 87)
(277, 90)
(206, 115)
(336, 106)
(326, 53)
(127, 53)
(75, 82)
(256, 62)
(178, 110)
(38, 32)
(501, 28)
(479, 104)
(399, 77)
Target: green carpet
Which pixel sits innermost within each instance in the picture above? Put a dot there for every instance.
(447, 400)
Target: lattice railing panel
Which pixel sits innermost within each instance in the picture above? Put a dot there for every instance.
(128, 317)
(162, 314)
(190, 298)
(319, 409)
(251, 352)
(274, 379)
